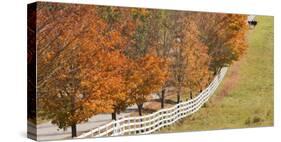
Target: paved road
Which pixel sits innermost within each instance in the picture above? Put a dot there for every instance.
(48, 131)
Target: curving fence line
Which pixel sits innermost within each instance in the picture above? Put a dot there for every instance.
(163, 117)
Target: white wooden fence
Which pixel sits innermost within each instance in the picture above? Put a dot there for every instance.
(163, 117)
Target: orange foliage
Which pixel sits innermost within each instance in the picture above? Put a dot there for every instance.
(104, 59)
(225, 37)
(146, 78)
(78, 69)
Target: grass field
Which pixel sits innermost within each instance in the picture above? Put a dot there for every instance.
(245, 97)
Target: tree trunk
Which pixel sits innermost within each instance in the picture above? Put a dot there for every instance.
(162, 98)
(215, 72)
(190, 94)
(178, 96)
(73, 126)
(219, 70)
(113, 114)
(73, 131)
(140, 113)
(140, 108)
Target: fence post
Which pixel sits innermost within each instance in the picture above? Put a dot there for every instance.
(135, 126)
(99, 130)
(129, 122)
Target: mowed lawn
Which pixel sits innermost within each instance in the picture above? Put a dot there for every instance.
(245, 97)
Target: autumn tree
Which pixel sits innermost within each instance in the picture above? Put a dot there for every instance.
(141, 44)
(77, 64)
(104, 59)
(138, 79)
(181, 46)
(225, 37)
(197, 72)
(161, 34)
(190, 62)
(120, 21)
(146, 78)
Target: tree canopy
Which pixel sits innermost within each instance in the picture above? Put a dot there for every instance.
(94, 59)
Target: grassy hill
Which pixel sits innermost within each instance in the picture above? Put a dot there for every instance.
(245, 97)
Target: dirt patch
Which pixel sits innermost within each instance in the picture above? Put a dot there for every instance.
(156, 103)
(230, 82)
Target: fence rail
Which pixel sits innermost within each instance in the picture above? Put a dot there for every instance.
(163, 117)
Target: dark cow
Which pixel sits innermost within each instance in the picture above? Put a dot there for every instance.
(252, 23)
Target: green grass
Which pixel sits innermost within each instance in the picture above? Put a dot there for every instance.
(249, 102)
